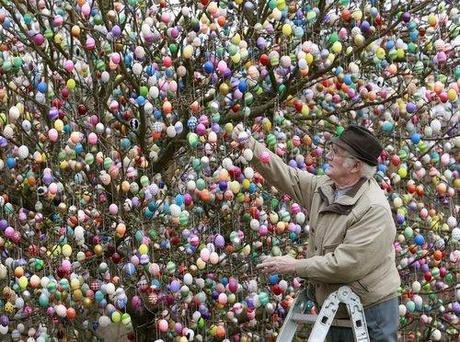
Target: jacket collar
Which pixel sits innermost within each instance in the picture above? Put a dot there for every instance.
(346, 202)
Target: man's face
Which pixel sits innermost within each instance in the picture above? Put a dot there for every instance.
(340, 165)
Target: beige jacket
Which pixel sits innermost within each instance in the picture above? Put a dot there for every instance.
(350, 241)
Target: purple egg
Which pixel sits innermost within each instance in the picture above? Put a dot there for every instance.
(4, 320)
(456, 308)
(116, 31)
(406, 17)
(3, 224)
(53, 113)
(261, 43)
(292, 163)
(365, 26)
(219, 241)
(174, 286)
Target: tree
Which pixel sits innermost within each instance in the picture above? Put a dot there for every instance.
(124, 198)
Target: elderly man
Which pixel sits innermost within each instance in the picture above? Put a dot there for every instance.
(351, 229)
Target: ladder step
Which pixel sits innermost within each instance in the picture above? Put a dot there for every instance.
(309, 319)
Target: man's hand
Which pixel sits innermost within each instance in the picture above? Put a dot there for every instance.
(285, 264)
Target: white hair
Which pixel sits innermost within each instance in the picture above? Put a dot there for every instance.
(367, 170)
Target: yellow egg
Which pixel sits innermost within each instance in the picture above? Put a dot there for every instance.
(452, 95)
(200, 264)
(23, 281)
(59, 125)
(287, 29)
(235, 187)
(66, 250)
(71, 84)
(337, 47)
(143, 249)
(188, 51)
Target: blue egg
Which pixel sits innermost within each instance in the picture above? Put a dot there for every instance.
(152, 206)
(42, 87)
(224, 281)
(148, 213)
(157, 114)
(179, 200)
(413, 35)
(140, 100)
(98, 296)
(243, 86)
(169, 72)
(347, 79)
(128, 60)
(273, 279)
(11, 162)
(150, 70)
(419, 240)
(390, 44)
(415, 138)
(78, 148)
(387, 126)
(125, 144)
(208, 67)
(129, 269)
(155, 283)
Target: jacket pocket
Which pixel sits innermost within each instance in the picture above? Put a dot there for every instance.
(362, 285)
(329, 248)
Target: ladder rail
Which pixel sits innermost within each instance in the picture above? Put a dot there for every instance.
(323, 321)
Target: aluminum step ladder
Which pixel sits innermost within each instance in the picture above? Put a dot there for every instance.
(323, 321)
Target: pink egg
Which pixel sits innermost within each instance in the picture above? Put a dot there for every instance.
(92, 138)
(52, 188)
(90, 43)
(295, 208)
(66, 265)
(222, 299)
(53, 135)
(115, 58)
(85, 9)
(68, 65)
(9, 232)
(264, 157)
(113, 209)
(163, 325)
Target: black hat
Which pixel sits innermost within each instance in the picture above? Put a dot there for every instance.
(361, 144)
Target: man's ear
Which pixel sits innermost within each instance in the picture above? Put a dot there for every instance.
(357, 166)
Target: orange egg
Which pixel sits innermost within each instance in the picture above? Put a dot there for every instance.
(167, 107)
(19, 272)
(204, 195)
(441, 188)
(156, 135)
(220, 331)
(195, 107)
(71, 313)
(125, 186)
(75, 31)
(31, 181)
(121, 229)
(437, 255)
(221, 20)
